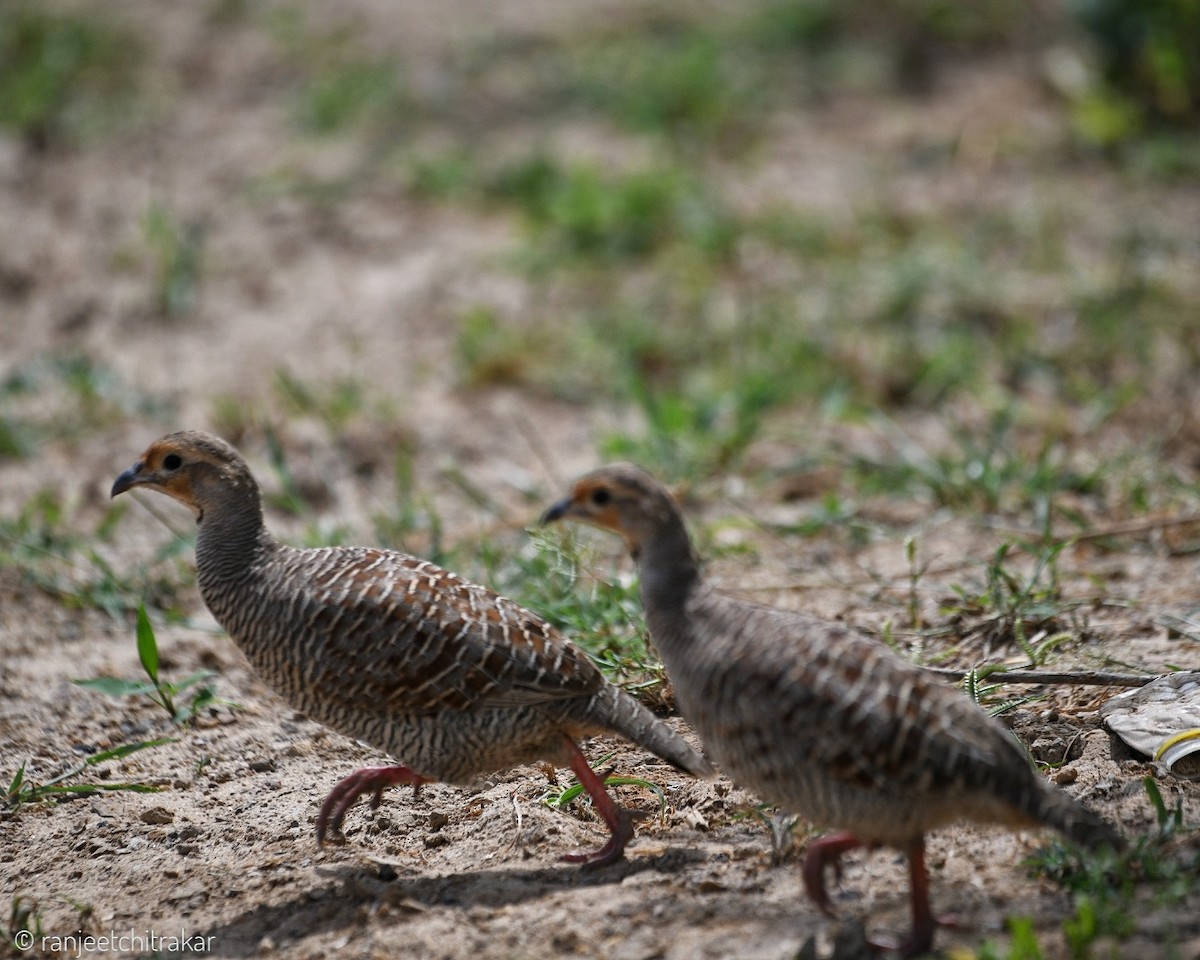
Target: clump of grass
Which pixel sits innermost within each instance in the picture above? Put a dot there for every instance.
(444, 174)
(335, 404)
(24, 927)
(712, 82)
(63, 75)
(347, 93)
(1024, 943)
(679, 79)
(21, 790)
(1110, 888)
(1149, 75)
(341, 87)
(603, 616)
(491, 351)
(582, 212)
(704, 378)
(984, 694)
(338, 405)
(560, 796)
(695, 432)
(16, 439)
(415, 524)
(176, 250)
(158, 689)
(298, 498)
(1011, 607)
(986, 469)
(44, 543)
(64, 396)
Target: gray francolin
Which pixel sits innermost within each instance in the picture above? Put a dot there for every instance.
(816, 718)
(442, 674)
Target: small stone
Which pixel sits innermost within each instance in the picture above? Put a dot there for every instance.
(157, 815)
(1066, 775)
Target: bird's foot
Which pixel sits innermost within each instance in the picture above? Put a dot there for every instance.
(368, 780)
(614, 850)
(920, 940)
(822, 853)
(619, 820)
(916, 944)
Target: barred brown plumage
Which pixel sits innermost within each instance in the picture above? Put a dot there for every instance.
(816, 718)
(443, 674)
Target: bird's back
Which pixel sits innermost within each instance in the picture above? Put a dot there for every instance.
(820, 719)
(426, 665)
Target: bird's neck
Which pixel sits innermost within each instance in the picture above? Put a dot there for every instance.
(670, 574)
(231, 541)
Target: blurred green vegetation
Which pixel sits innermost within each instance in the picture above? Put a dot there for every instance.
(65, 396)
(341, 88)
(717, 316)
(64, 76)
(662, 290)
(1020, 350)
(1149, 60)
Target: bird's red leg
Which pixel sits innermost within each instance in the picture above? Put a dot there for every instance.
(344, 795)
(823, 852)
(920, 940)
(618, 820)
(924, 922)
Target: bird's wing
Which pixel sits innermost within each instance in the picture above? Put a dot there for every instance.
(419, 638)
(864, 716)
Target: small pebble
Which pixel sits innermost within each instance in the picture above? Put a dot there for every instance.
(157, 815)
(1066, 775)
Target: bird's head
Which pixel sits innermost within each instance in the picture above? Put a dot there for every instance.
(619, 497)
(191, 467)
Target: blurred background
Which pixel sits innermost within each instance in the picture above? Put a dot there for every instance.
(902, 295)
(848, 263)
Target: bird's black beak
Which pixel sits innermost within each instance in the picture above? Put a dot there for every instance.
(558, 511)
(130, 478)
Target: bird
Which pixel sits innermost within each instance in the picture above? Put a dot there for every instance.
(816, 718)
(442, 674)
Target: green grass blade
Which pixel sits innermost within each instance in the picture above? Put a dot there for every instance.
(190, 681)
(115, 686)
(564, 798)
(116, 753)
(86, 788)
(15, 787)
(146, 644)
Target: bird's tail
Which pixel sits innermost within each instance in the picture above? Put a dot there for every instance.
(632, 719)
(1069, 817)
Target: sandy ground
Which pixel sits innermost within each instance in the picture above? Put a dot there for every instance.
(225, 849)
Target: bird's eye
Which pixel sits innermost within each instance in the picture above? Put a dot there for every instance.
(601, 496)
(172, 461)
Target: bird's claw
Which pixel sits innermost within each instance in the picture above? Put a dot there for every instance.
(614, 849)
(345, 793)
